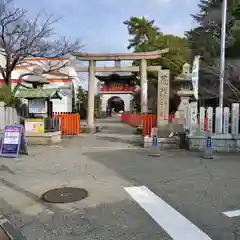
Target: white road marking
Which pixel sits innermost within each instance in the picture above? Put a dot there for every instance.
(175, 224)
(231, 214)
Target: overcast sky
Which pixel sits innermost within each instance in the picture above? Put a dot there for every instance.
(99, 23)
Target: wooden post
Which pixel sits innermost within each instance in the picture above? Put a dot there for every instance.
(218, 120)
(235, 118)
(210, 119)
(202, 120)
(193, 119)
(226, 112)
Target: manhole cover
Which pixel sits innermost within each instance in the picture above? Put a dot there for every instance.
(65, 195)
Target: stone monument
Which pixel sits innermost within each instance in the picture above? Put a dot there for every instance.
(163, 98)
(182, 86)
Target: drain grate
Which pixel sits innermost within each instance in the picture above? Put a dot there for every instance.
(65, 195)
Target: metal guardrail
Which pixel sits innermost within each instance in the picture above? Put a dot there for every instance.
(52, 124)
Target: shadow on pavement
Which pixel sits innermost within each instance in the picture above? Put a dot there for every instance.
(4, 168)
(120, 220)
(200, 189)
(133, 141)
(28, 194)
(136, 164)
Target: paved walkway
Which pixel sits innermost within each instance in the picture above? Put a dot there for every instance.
(105, 164)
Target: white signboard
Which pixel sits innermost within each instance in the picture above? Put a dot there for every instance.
(37, 106)
(34, 125)
(11, 138)
(195, 76)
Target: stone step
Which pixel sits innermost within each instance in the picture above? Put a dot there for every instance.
(164, 142)
(169, 143)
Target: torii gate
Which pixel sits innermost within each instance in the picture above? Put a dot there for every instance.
(163, 79)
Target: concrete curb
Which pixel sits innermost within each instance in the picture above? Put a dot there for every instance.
(9, 230)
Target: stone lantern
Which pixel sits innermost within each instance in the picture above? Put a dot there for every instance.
(182, 86)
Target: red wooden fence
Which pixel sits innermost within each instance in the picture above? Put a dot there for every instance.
(147, 121)
(69, 123)
(132, 119)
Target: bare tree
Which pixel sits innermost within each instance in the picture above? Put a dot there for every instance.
(209, 80)
(22, 38)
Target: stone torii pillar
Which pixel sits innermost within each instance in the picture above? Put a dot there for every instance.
(91, 94)
(144, 86)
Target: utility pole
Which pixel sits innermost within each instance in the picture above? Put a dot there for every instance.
(222, 62)
(222, 57)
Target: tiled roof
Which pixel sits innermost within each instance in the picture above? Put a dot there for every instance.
(39, 93)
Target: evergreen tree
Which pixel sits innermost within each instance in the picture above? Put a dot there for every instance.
(146, 36)
(205, 39)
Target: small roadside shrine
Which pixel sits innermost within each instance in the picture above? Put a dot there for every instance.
(40, 120)
(39, 107)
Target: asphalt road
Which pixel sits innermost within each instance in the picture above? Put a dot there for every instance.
(131, 195)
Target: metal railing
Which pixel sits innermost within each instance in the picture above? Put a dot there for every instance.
(52, 124)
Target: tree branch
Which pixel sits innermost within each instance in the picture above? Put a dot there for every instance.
(21, 38)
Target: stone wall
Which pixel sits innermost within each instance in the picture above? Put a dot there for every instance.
(222, 127)
(221, 143)
(8, 116)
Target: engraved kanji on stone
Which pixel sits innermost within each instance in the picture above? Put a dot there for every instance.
(163, 109)
(163, 92)
(164, 80)
(163, 102)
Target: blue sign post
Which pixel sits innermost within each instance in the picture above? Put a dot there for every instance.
(208, 152)
(155, 146)
(155, 141)
(209, 143)
(13, 141)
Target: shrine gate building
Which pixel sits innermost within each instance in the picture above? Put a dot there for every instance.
(116, 92)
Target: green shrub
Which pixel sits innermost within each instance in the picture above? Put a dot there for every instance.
(138, 130)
